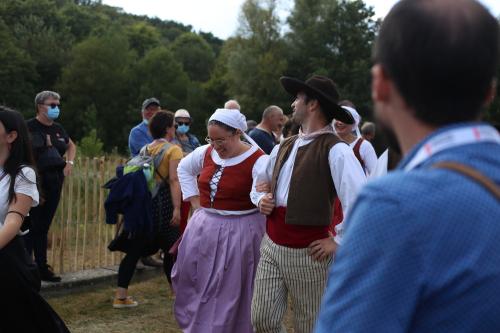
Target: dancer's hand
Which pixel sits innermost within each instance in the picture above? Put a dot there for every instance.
(321, 249)
(176, 217)
(266, 204)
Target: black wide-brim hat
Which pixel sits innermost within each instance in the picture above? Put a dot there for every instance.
(324, 90)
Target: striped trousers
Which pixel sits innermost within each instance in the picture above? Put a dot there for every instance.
(284, 272)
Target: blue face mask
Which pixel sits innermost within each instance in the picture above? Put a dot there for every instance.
(53, 113)
(183, 129)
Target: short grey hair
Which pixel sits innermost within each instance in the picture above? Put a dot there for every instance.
(41, 97)
(368, 128)
(268, 112)
(232, 104)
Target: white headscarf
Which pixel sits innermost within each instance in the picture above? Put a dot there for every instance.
(357, 119)
(235, 119)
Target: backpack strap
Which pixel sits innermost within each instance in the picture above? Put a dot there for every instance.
(159, 157)
(472, 174)
(144, 151)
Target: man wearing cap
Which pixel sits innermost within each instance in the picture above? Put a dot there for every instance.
(138, 138)
(139, 135)
(422, 250)
(187, 141)
(306, 173)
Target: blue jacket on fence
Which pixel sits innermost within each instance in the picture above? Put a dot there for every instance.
(129, 195)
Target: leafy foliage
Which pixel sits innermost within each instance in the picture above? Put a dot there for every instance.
(105, 62)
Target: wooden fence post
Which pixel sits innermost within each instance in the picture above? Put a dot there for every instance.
(61, 234)
(85, 209)
(101, 208)
(81, 174)
(95, 223)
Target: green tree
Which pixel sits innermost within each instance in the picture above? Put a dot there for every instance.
(334, 38)
(96, 92)
(40, 31)
(158, 74)
(257, 59)
(143, 37)
(195, 55)
(17, 73)
(91, 145)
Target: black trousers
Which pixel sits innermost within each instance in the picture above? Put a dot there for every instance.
(41, 217)
(129, 262)
(164, 237)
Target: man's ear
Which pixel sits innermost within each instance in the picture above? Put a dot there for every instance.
(381, 84)
(313, 104)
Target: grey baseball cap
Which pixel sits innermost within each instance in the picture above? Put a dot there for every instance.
(150, 101)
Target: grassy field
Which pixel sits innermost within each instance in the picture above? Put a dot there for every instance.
(91, 311)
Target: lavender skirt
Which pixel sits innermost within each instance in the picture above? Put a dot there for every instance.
(214, 272)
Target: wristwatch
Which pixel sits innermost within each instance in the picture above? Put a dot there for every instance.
(70, 162)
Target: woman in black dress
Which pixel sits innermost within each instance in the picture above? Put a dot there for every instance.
(22, 308)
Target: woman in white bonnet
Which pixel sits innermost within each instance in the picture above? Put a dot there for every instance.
(363, 150)
(351, 134)
(218, 255)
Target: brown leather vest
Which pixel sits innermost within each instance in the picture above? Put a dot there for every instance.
(312, 192)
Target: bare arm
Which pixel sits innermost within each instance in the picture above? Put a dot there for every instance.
(175, 190)
(14, 221)
(195, 202)
(70, 156)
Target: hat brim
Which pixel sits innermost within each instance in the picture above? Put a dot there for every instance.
(151, 103)
(294, 86)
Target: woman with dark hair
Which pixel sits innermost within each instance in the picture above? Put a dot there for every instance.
(219, 252)
(22, 307)
(166, 206)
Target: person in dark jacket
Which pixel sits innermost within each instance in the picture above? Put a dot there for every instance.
(272, 121)
(50, 143)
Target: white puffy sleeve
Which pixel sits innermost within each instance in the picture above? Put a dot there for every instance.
(259, 174)
(188, 170)
(348, 178)
(26, 184)
(369, 156)
(262, 173)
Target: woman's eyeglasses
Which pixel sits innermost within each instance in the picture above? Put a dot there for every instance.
(180, 123)
(217, 142)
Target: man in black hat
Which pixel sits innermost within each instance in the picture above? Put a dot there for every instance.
(306, 172)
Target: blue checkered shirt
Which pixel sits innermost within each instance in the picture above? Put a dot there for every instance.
(421, 251)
